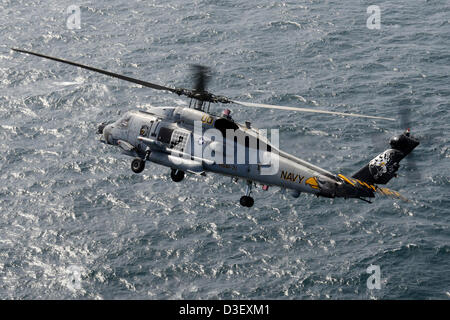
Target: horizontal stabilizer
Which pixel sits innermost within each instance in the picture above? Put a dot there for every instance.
(391, 193)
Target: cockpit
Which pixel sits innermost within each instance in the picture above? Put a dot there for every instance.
(123, 122)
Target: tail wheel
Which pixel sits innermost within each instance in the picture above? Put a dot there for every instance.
(137, 165)
(247, 201)
(176, 175)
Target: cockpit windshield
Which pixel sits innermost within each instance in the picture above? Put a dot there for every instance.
(124, 121)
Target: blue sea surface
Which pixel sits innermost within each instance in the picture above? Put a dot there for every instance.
(77, 223)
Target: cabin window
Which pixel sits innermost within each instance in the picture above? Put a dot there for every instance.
(165, 135)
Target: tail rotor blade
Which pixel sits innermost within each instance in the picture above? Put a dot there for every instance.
(405, 123)
(405, 113)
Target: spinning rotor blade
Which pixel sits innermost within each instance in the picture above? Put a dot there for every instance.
(405, 124)
(404, 118)
(201, 77)
(269, 106)
(199, 93)
(179, 91)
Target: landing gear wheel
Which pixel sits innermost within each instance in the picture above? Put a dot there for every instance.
(247, 201)
(176, 175)
(137, 165)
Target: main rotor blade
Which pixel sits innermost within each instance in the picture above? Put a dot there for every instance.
(270, 106)
(195, 94)
(201, 75)
(111, 74)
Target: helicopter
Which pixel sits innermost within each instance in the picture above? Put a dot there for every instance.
(194, 140)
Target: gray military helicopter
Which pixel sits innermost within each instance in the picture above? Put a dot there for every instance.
(193, 140)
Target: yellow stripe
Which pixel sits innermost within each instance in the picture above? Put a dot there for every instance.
(369, 186)
(312, 182)
(345, 178)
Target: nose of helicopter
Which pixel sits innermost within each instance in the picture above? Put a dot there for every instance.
(100, 127)
(105, 131)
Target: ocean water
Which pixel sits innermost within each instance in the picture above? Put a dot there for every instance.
(76, 223)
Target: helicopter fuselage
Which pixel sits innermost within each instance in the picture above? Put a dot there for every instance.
(191, 140)
(197, 142)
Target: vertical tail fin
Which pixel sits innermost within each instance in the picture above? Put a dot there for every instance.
(384, 166)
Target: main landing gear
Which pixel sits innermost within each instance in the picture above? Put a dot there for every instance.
(247, 201)
(176, 175)
(138, 164)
